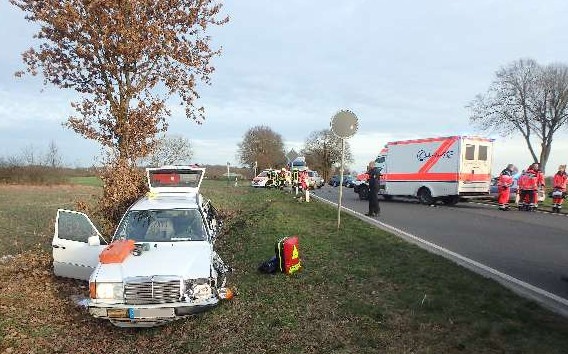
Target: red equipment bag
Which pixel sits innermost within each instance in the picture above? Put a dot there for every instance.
(288, 254)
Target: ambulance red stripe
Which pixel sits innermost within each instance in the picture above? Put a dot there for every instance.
(438, 154)
(436, 177)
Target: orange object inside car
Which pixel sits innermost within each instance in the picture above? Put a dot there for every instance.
(116, 252)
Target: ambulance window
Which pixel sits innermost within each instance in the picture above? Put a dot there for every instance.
(470, 152)
(380, 159)
(482, 155)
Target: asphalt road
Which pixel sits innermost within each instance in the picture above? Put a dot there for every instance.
(529, 246)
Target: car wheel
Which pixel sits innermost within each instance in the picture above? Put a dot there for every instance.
(425, 196)
(363, 192)
(387, 197)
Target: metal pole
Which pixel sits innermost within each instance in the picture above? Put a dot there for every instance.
(340, 184)
(228, 176)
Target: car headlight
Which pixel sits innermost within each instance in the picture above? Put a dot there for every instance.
(109, 291)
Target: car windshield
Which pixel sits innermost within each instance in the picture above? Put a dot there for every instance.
(169, 225)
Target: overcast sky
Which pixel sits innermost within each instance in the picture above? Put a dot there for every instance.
(407, 69)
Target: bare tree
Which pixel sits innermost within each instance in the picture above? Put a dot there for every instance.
(525, 98)
(52, 158)
(323, 149)
(263, 146)
(170, 150)
(29, 155)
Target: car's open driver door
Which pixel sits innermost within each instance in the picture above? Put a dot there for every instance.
(76, 245)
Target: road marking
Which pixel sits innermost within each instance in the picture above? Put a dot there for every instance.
(549, 300)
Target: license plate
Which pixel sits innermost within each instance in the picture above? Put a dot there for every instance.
(151, 313)
(117, 313)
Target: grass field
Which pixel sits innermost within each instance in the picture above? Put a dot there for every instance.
(27, 213)
(92, 181)
(361, 291)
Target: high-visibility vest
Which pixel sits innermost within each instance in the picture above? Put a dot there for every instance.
(505, 180)
(528, 181)
(559, 181)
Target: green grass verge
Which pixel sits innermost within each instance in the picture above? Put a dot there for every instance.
(361, 290)
(92, 181)
(371, 291)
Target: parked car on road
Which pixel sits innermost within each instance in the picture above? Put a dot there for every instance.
(260, 180)
(334, 181)
(315, 180)
(161, 264)
(349, 181)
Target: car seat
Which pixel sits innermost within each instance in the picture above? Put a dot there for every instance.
(160, 229)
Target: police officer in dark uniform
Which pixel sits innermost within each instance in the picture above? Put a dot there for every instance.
(374, 177)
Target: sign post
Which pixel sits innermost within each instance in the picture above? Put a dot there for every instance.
(344, 124)
(228, 174)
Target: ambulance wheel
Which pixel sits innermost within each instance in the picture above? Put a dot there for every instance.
(425, 196)
(387, 197)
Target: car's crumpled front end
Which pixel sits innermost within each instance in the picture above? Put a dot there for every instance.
(147, 299)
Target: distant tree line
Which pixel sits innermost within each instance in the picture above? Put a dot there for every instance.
(263, 148)
(31, 156)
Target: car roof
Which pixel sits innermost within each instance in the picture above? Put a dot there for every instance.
(167, 201)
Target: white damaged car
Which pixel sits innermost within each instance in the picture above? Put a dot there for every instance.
(161, 264)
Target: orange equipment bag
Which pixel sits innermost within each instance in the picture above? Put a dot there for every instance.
(288, 254)
(116, 252)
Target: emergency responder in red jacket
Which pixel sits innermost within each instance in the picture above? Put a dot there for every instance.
(539, 181)
(304, 183)
(528, 188)
(504, 186)
(559, 188)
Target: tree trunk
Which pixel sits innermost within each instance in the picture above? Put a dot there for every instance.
(544, 155)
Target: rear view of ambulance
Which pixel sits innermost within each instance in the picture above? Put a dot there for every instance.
(444, 169)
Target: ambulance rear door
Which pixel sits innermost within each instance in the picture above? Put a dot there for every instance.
(476, 157)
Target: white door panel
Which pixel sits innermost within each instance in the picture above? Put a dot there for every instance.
(73, 257)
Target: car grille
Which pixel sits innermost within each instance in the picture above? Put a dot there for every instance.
(152, 290)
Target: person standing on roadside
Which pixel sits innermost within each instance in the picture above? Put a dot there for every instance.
(539, 192)
(374, 176)
(504, 185)
(559, 188)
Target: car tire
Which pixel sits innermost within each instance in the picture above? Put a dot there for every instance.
(363, 192)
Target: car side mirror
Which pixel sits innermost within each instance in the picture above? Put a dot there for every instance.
(94, 240)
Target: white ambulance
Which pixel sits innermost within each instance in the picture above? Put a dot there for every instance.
(444, 169)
